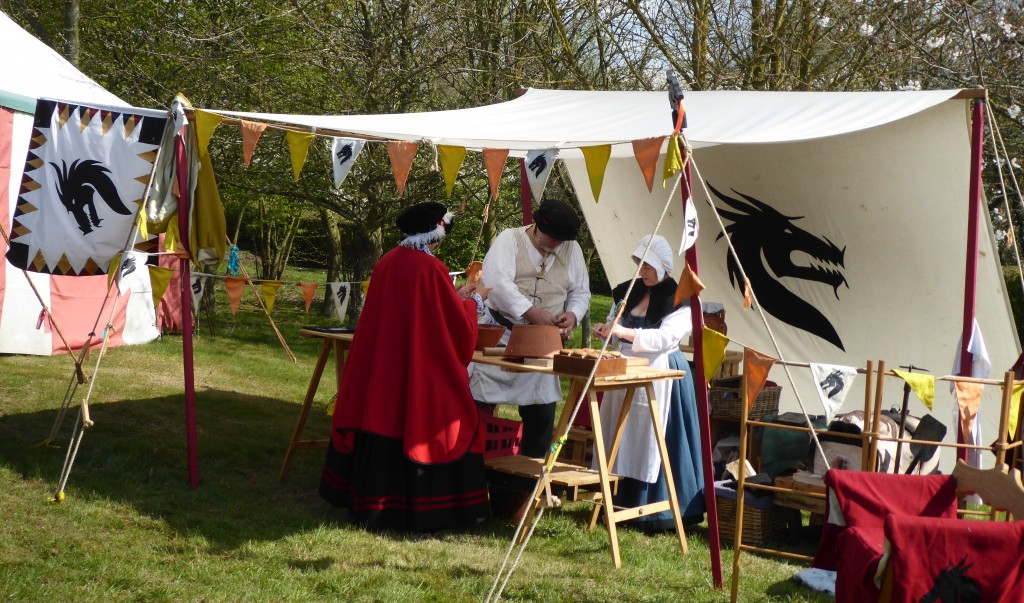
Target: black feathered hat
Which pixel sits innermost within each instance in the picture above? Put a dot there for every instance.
(424, 223)
(557, 220)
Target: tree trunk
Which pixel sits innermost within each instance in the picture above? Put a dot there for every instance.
(334, 258)
(71, 44)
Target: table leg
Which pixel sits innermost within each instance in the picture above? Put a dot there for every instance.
(620, 423)
(606, 490)
(666, 466)
(314, 383)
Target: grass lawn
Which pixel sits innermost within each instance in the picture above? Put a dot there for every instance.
(131, 529)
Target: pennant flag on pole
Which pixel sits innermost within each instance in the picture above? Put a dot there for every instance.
(646, 152)
(269, 289)
(251, 132)
(401, 153)
(235, 286)
(538, 167)
(713, 347)
(494, 161)
(197, 283)
(968, 398)
(112, 274)
(308, 291)
(206, 123)
(673, 159)
(298, 148)
(689, 285)
(597, 162)
(691, 226)
(922, 384)
(755, 372)
(451, 163)
(343, 155)
(833, 383)
(159, 278)
(340, 295)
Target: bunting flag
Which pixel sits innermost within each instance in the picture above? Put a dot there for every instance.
(647, 151)
(298, 148)
(691, 226)
(402, 153)
(206, 123)
(539, 163)
(340, 295)
(112, 275)
(688, 286)
(363, 286)
(474, 272)
(1014, 417)
(159, 278)
(128, 276)
(922, 384)
(198, 284)
(597, 162)
(251, 132)
(968, 399)
(308, 291)
(713, 345)
(451, 163)
(85, 175)
(673, 159)
(494, 161)
(755, 372)
(343, 155)
(269, 289)
(235, 286)
(748, 295)
(833, 382)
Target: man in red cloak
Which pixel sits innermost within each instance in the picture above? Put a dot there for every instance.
(405, 453)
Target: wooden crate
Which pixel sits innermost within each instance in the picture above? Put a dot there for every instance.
(798, 496)
(576, 365)
(759, 525)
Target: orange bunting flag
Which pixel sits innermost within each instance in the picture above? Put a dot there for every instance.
(646, 152)
(473, 272)
(494, 161)
(251, 132)
(755, 372)
(968, 398)
(402, 153)
(298, 148)
(689, 285)
(159, 277)
(597, 163)
(269, 289)
(206, 123)
(308, 291)
(451, 163)
(748, 295)
(235, 287)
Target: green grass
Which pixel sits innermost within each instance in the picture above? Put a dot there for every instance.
(131, 529)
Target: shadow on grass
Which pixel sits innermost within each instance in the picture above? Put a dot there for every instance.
(136, 454)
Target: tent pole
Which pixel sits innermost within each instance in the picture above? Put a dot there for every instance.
(525, 195)
(184, 202)
(700, 385)
(971, 271)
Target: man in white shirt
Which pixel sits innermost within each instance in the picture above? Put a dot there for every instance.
(536, 275)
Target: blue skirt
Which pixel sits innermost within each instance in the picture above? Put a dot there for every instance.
(682, 438)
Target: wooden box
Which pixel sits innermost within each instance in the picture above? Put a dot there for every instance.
(577, 365)
(759, 525)
(799, 495)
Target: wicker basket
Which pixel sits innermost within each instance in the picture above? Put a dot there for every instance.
(759, 525)
(725, 402)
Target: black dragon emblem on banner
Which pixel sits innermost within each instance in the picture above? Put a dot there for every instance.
(832, 384)
(76, 186)
(771, 247)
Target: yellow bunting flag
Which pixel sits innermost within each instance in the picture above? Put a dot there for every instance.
(1014, 418)
(235, 287)
(494, 161)
(755, 372)
(171, 237)
(143, 227)
(159, 277)
(112, 270)
(401, 153)
(597, 163)
(673, 159)
(206, 123)
(251, 132)
(308, 291)
(298, 148)
(269, 289)
(922, 384)
(646, 152)
(689, 285)
(451, 163)
(713, 345)
(748, 295)
(363, 286)
(968, 398)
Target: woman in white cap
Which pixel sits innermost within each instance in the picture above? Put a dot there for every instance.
(652, 326)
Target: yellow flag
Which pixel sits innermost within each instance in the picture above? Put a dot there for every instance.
(171, 237)
(143, 227)
(597, 163)
(206, 123)
(673, 159)
(159, 277)
(113, 269)
(269, 289)
(922, 384)
(451, 162)
(298, 148)
(363, 286)
(713, 346)
(1014, 418)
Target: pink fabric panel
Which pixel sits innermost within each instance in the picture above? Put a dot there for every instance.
(6, 129)
(76, 302)
(168, 314)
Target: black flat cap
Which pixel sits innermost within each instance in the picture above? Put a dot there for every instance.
(420, 218)
(557, 220)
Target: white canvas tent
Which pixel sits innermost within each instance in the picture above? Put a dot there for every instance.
(884, 176)
(29, 71)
